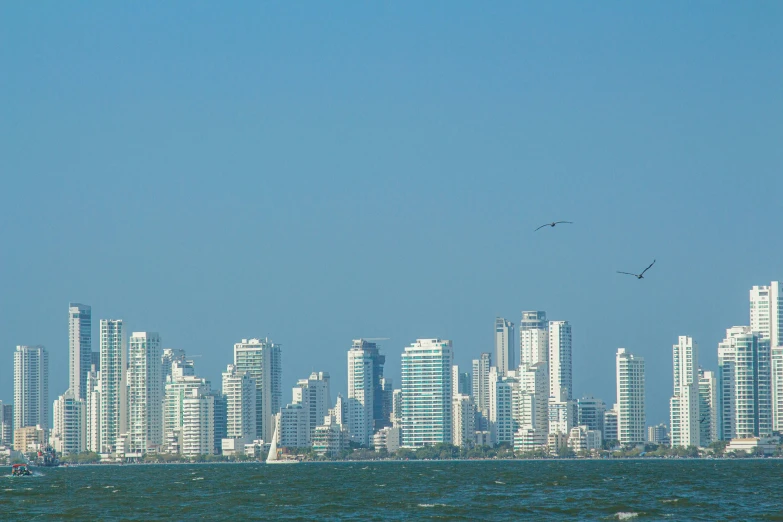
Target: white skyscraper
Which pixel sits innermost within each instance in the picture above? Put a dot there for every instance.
(708, 408)
(314, 395)
(113, 384)
(766, 319)
(179, 388)
(360, 392)
(92, 408)
(504, 345)
(745, 380)
(464, 423)
(68, 434)
(560, 358)
(145, 394)
(630, 398)
(481, 368)
(426, 393)
(31, 387)
(684, 403)
(240, 391)
(503, 389)
(766, 312)
(610, 424)
(261, 358)
(198, 429)
(533, 338)
(80, 348)
(563, 414)
(533, 414)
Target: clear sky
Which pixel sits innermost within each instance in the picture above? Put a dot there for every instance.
(317, 172)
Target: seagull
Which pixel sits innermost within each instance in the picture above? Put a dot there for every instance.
(702, 420)
(638, 276)
(552, 224)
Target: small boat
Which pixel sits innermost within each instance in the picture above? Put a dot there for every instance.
(20, 470)
(273, 457)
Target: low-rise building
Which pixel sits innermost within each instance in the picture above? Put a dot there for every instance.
(528, 438)
(29, 438)
(388, 437)
(331, 438)
(582, 438)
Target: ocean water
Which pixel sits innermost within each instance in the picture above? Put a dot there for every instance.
(474, 490)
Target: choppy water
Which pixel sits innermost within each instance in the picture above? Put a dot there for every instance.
(477, 490)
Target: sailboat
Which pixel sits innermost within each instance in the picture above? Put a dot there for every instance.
(273, 457)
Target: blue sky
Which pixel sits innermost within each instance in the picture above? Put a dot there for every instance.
(320, 172)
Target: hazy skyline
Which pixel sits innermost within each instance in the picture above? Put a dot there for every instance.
(319, 173)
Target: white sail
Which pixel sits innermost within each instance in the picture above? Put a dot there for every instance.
(272, 456)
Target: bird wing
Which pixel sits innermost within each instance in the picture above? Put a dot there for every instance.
(556, 222)
(542, 226)
(646, 269)
(627, 273)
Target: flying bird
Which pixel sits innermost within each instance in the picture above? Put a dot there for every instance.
(552, 224)
(702, 420)
(638, 276)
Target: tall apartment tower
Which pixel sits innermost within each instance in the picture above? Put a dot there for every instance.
(31, 387)
(766, 319)
(630, 398)
(533, 338)
(315, 396)
(560, 372)
(240, 392)
(70, 418)
(504, 345)
(262, 360)
(708, 408)
(80, 348)
(766, 312)
(481, 368)
(745, 381)
(426, 393)
(113, 384)
(145, 392)
(360, 391)
(378, 403)
(6, 424)
(684, 403)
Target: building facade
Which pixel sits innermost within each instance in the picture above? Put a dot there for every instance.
(426, 393)
(684, 403)
(80, 348)
(533, 338)
(145, 393)
(560, 371)
(31, 387)
(70, 419)
(113, 384)
(505, 354)
(262, 360)
(630, 398)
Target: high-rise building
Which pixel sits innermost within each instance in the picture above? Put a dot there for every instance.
(481, 368)
(70, 419)
(198, 429)
(220, 419)
(504, 345)
(240, 391)
(708, 408)
(113, 384)
(361, 390)
(766, 312)
(261, 359)
(776, 365)
(31, 387)
(179, 388)
(630, 398)
(314, 395)
(169, 357)
(80, 348)
(464, 424)
(396, 416)
(560, 371)
(563, 413)
(294, 430)
(92, 406)
(462, 381)
(503, 410)
(745, 381)
(6, 424)
(610, 425)
(533, 401)
(145, 395)
(426, 393)
(684, 403)
(591, 413)
(658, 435)
(533, 338)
